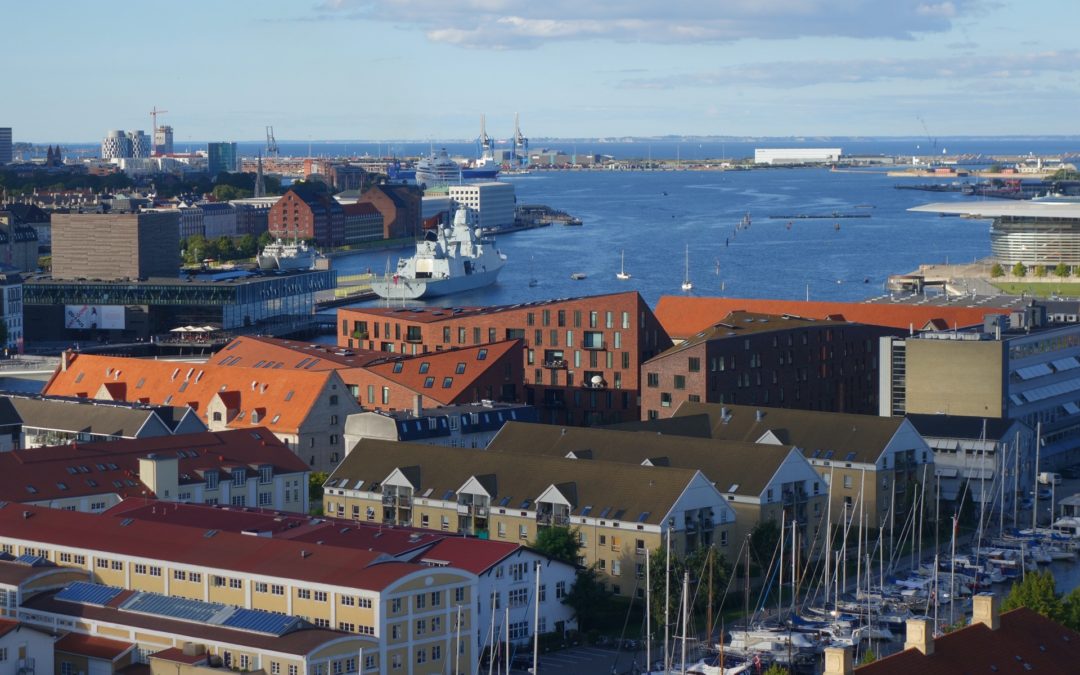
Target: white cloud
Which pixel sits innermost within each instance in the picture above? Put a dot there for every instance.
(786, 74)
(520, 24)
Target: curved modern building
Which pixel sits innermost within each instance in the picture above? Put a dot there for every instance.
(1041, 232)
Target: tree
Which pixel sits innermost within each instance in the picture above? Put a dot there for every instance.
(586, 597)
(315, 491)
(1040, 271)
(1070, 609)
(776, 669)
(1019, 270)
(1037, 592)
(867, 657)
(1062, 270)
(247, 246)
(560, 543)
(697, 563)
(763, 541)
(996, 271)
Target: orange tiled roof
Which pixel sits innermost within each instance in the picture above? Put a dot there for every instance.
(442, 365)
(361, 367)
(92, 646)
(686, 316)
(286, 394)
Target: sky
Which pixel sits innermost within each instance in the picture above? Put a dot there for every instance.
(428, 69)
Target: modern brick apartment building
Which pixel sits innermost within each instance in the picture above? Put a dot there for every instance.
(306, 212)
(582, 355)
(759, 359)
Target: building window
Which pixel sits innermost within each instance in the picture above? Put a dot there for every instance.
(652, 379)
(665, 399)
(680, 381)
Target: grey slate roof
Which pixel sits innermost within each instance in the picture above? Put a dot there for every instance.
(849, 437)
(613, 490)
(106, 419)
(725, 463)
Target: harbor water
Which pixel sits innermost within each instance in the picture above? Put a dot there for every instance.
(655, 216)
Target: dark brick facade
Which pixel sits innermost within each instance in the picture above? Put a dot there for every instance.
(306, 212)
(757, 359)
(400, 206)
(582, 356)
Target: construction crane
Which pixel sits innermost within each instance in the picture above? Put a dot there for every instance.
(271, 143)
(930, 140)
(154, 112)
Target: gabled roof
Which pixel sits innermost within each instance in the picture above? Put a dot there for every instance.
(97, 417)
(112, 467)
(684, 317)
(9, 414)
(750, 466)
(840, 437)
(611, 490)
(210, 549)
(357, 366)
(1024, 642)
(287, 395)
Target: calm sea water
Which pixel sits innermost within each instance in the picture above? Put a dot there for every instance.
(656, 217)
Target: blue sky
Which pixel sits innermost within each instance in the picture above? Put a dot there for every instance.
(419, 69)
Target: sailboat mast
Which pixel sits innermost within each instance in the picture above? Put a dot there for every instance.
(685, 617)
(648, 612)
(536, 623)
(1038, 450)
(667, 601)
(708, 617)
(780, 586)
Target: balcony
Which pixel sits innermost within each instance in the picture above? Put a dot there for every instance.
(555, 364)
(594, 345)
(597, 384)
(552, 519)
(413, 338)
(404, 501)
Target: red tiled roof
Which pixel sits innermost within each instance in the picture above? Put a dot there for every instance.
(201, 547)
(392, 540)
(443, 365)
(92, 646)
(474, 555)
(288, 395)
(1025, 641)
(81, 469)
(177, 655)
(363, 367)
(7, 625)
(686, 316)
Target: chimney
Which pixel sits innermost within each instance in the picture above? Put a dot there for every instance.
(838, 661)
(418, 405)
(759, 415)
(65, 356)
(985, 610)
(920, 636)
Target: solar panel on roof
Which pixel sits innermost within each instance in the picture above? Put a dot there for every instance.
(828, 454)
(605, 512)
(86, 593)
(177, 608)
(504, 501)
(643, 517)
(850, 456)
(586, 511)
(261, 622)
(31, 560)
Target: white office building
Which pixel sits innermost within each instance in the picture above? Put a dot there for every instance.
(490, 204)
(117, 145)
(786, 156)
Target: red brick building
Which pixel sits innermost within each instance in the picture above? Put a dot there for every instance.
(760, 359)
(308, 212)
(400, 206)
(582, 356)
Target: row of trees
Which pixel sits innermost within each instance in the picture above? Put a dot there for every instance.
(17, 184)
(1038, 592)
(1039, 271)
(197, 248)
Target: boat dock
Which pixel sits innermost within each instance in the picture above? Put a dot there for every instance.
(818, 216)
(351, 288)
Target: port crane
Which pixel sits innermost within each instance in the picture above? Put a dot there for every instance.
(521, 144)
(271, 143)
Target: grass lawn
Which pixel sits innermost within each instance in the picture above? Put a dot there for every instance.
(1042, 289)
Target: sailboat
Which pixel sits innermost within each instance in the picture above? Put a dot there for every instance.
(622, 267)
(687, 285)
